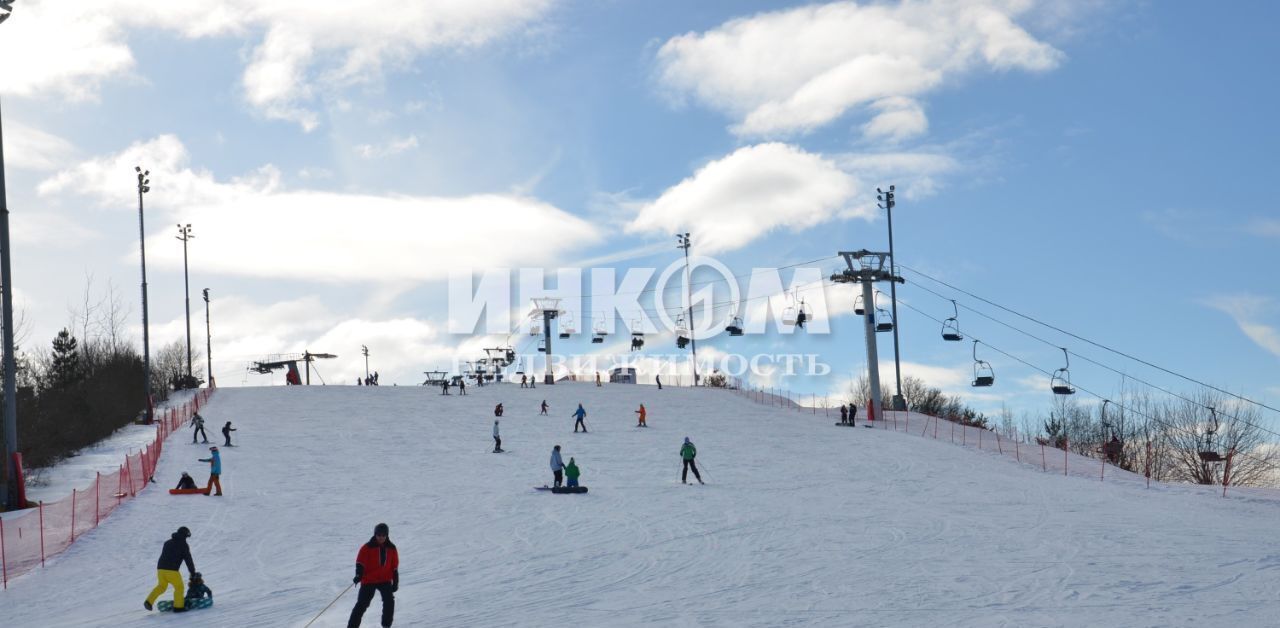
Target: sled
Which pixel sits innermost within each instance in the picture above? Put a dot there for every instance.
(188, 491)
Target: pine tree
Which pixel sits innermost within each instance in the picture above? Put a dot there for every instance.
(65, 369)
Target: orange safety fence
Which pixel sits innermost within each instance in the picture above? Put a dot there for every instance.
(27, 540)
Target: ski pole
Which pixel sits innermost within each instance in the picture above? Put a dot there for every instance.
(344, 592)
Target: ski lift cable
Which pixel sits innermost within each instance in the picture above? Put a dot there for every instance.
(1086, 358)
(1193, 433)
(1096, 344)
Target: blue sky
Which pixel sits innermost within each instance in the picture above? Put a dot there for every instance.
(1101, 166)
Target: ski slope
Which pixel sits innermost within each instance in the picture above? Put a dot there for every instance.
(801, 523)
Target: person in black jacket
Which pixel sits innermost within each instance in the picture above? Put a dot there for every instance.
(175, 553)
(226, 433)
(186, 481)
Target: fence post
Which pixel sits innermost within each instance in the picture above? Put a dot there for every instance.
(41, 507)
(1017, 451)
(1044, 465)
(1148, 464)
(97, 498)
(964, 435)
(1066, 444)
(73, 515)
(935, 428)
(980, 431)
(999, 447)
(953, 431)
(1226, 473)
(1103, 476)
(4, 565)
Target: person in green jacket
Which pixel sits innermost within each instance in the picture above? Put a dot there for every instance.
(687, 453)
(571, 472)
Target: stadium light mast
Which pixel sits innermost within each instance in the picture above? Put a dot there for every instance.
(899, 402)
(364, 350)
(866, 268)
(184, 234)
(208, 339)
(8, 494)
(683, 242)
(144, 186)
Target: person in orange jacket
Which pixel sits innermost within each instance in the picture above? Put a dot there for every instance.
(377, 570)
(641, 412)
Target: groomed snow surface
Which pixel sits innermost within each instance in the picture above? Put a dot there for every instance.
(801, 523)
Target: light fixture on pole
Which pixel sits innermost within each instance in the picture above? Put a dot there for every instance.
(184, 234)
(683, 242)
(8, 493)
(899, 402)
(364, 350)
(208, 338)
(144, 186)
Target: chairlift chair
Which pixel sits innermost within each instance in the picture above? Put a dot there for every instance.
(735, 326)
(682, 332)
(951, 326)
(637, 335)
(789, 315)
(983, 375)
(511, 355)
(535, 330)
(542, 345)
(598, 331)
(1060, 383)
(802, 314)
(857, 306)
(566, 325)
(1209, 453)
(884, 320)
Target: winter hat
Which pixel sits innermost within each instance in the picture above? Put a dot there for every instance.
(184, 532)
(686, 439)
(382, 529)
(213, 449)
(196, 577)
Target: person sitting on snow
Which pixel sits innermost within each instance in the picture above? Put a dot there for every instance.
(571, 472)
(186, 481)
(197, 590)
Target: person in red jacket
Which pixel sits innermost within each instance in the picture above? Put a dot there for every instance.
(377, 569)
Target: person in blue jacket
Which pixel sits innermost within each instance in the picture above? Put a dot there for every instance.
(579, 414)
(557, 465)
(215, 470)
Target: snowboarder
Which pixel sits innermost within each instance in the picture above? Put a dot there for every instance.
(579, 414)
(597, 379)
(557, 465)
(462, 386)
(377, 570)
(642, 414)
(226, 434)
(174, 553)
(524, 381)
(358, 382)
(197, 590)
(197, 422)
(215, 470)
(444, 388)
(844, 415)
(497, 410)
(853, 413)
(571, 472)
(497, 440)
(544, 407)
(186, 481)
(533, 382)
(687, 453)
(658, 379)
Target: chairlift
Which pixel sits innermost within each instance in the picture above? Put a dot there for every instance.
(1210, 453)
(566, 325)
(983, 375)
(857, 306)
(884, 320)
(802, 314)
(599, 331)
(735, 326)
(1060, 383)
(542, 345)
(951, 326)
(535, 329)
(637, 335)
(511, 355)
(682, 332)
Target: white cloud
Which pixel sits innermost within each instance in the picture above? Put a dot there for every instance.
(69, 47)
(1247, 310)
(243, 226)
(756, 189)
(33, 149)
(798, 69)
(394, 146)
(1266, 227)
(899, 118)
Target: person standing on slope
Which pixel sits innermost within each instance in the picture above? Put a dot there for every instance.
(497, 410)
(642, 413)
(497, 440)
(658, 379)
(687, 453)
(226, 434)
(544, 407)
(557, 465)
(844, 415)
(197, 422)
(579, 414)
(377, 570)
(174, 553)
(571, 472)
(215, 470)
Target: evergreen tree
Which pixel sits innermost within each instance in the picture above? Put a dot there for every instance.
(65, 369)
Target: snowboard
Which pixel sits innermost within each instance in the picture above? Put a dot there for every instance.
(561, 490)
(500, 451)
(165, 606)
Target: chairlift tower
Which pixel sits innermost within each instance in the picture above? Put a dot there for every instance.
(867, 268)
(683, 242)
(549, 309)
(899, 403)
(497, 358)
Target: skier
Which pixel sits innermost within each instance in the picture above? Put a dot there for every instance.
(174, 553)
(524, 381)
(444, 388)
(544, 407)
(844, 415)
(579, 414)
(198, 422)
(497, 410)
(687, 453)
(571, 472)
(497, 440)
(462, 386)
(226, 434)
(557, 465)
(215, 470)
(658, 379)
(197, 590)
(597, 379)
(377, 570)
(642, 414)
(186, 481)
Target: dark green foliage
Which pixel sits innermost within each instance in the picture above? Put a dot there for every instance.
(65, 368)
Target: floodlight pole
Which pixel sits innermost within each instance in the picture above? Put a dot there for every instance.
(683, 242)
(184, 234)
(208, 338)
(899, 403)
(8, 489)
(364, 350)
(870, 268)
(143, 188)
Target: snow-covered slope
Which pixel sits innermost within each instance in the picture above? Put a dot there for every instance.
(801, 523)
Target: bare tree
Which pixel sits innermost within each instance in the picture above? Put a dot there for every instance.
(1230, 429)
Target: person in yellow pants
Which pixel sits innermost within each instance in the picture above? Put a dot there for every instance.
(175, 553)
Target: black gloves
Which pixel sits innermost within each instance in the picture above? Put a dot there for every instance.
(395, 586)
(355, 580)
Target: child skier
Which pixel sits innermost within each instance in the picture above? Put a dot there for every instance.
(579, 414)
(226, 434)
(197, 422)
(687, 453)
(497, 440)
(197, 590)
(571, 472)
(642, 413)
